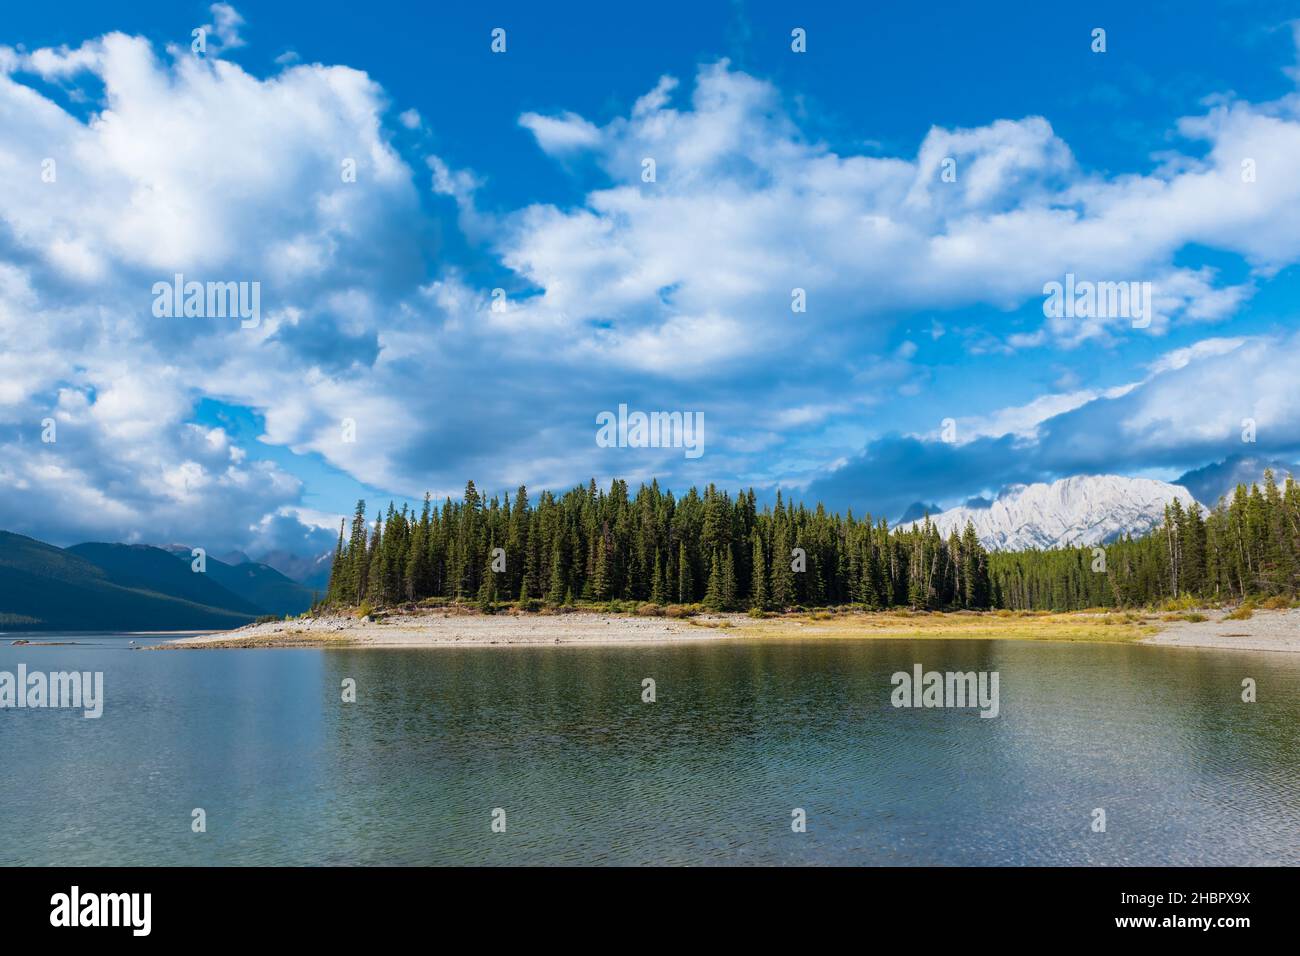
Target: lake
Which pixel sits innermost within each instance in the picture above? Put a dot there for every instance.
(738, 737)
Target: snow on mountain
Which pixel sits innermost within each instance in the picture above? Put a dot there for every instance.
(1084, 510)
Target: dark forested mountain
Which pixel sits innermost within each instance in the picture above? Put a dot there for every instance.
(264, 587)
(154, 569)
(122, 587)
(260, 585)
(47, 588)
(596, 545)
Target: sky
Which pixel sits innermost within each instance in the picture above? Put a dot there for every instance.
(841, 262)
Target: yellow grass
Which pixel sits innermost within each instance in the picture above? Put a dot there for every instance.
(1109, 627)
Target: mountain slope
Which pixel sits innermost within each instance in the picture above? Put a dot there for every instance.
(1221, 478)
(311, 573)
(1083, 510)
(153, 569)
(259, 584)
(47, 588)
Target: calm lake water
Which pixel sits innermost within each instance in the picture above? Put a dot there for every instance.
(741, 733)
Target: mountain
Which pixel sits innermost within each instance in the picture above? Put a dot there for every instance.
(153, 569)
(312, 573)
(47, 588)
(1083, 510)
(263, 586)
(1219, 479)
(916, 511)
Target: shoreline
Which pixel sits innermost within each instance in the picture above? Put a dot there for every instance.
(1276, 631)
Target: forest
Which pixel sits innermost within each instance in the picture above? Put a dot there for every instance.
(592, 545)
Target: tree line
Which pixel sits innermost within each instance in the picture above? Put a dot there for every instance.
(597, 545)
(1247, 546)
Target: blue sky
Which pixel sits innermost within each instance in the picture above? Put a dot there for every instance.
(522, 171)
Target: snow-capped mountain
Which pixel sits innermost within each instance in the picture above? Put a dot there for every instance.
(1084, 510)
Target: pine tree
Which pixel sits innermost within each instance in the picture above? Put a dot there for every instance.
(685, 580)
(418, 574)
(600, 577)
(334, 590)
(658, 587)
(558, 593)
(713, 593)
(487, 592)
(758, 583)
(782, 572)
(729, 588)
(354, 585)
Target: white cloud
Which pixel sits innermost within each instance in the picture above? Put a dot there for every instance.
(560, 134)
(744, 208)
(669, 294)
(226, 21)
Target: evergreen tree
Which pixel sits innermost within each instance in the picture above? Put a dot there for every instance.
(685, 580)
(758, 581)
(713, 598)
(782, 572)
(658, 588)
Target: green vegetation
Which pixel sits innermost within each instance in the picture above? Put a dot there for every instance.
(47, 588)
(1245, 548)
(593, 546)
(122, 587)
(596, 547)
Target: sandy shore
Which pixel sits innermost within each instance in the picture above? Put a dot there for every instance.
(1266, 630)
(441, 629)
(1263, 631)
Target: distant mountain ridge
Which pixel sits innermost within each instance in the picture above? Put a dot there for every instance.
(119, 587)
(262, 586)
(1220, 479)
(310, 572)
(1083, 510)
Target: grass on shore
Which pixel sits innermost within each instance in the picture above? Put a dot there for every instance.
(1096, 624)
(1107, 627)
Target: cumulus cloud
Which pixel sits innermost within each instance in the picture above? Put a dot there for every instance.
(1194, 406)
(743, 209)
(131, 196)
(670, 292)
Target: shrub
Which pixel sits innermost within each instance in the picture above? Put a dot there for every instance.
(1243, 613)
(1184, 603)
